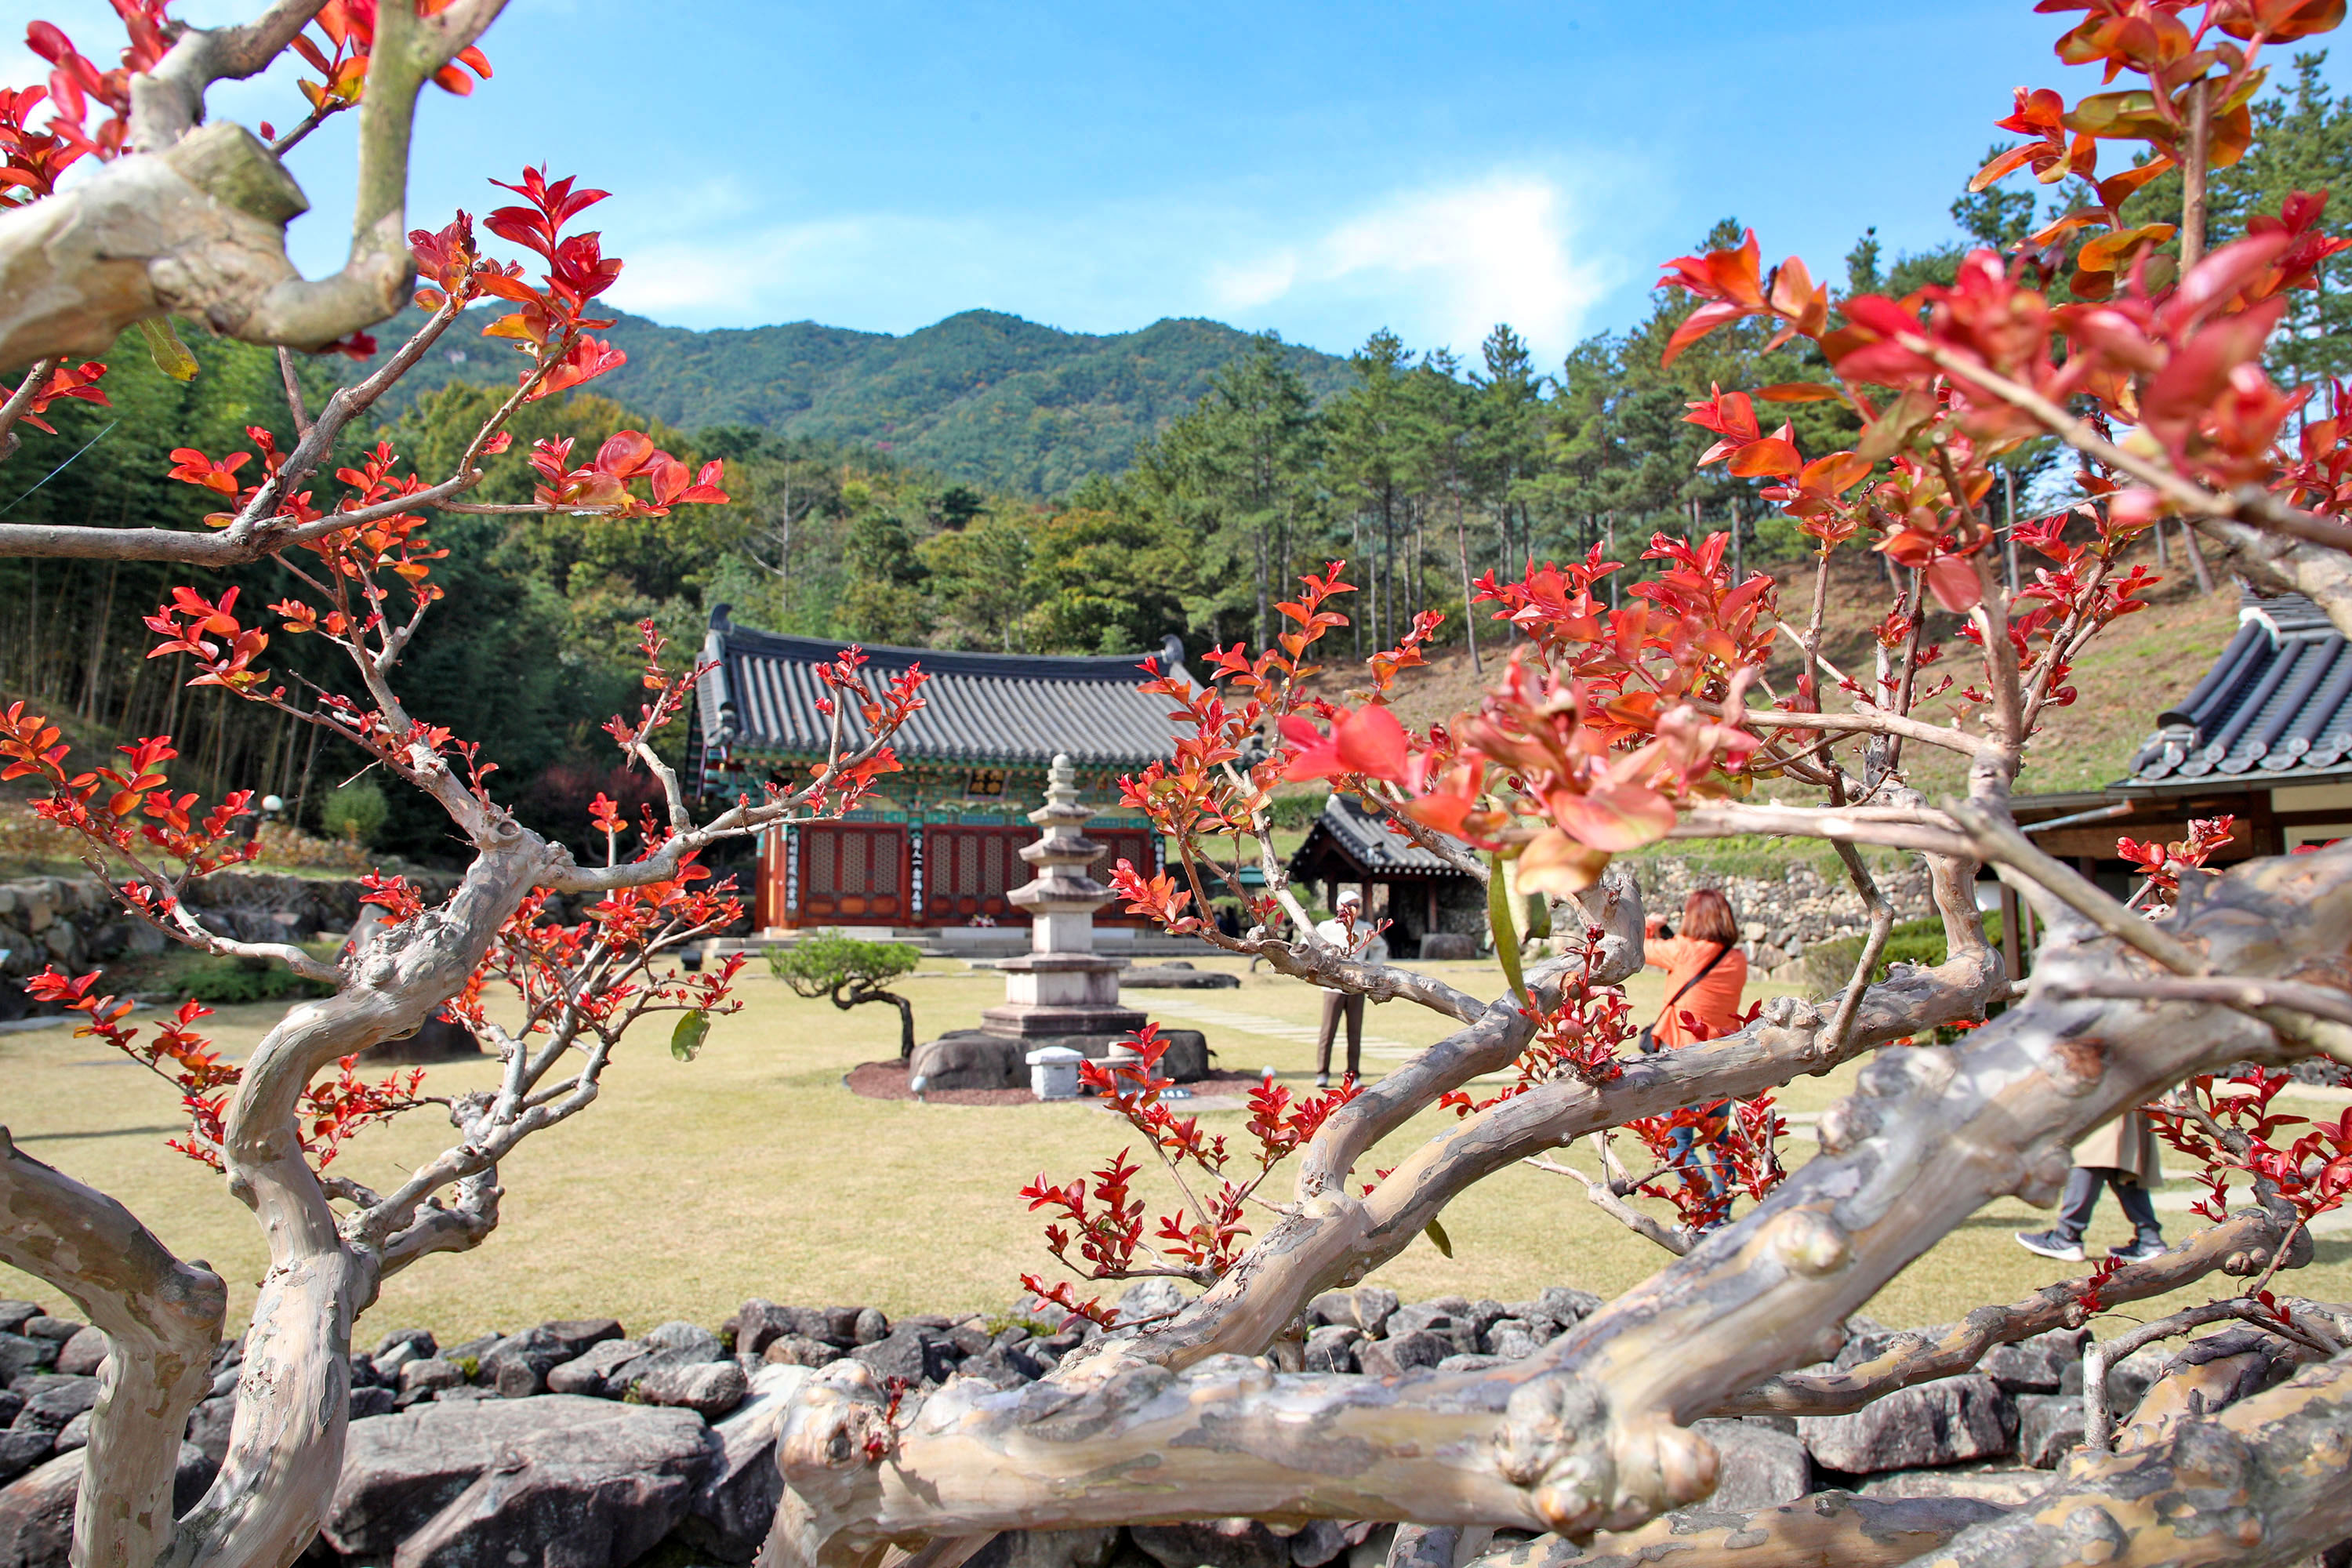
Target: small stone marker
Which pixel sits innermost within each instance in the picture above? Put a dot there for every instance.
(1053, 1072)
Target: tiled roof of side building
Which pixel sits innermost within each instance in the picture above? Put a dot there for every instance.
(1364, 842)
(980, 709)
(2275, 708)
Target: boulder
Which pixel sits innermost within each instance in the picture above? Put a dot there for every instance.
(1448, 1317)
(1049, 1549)
(21, 1354)
(14, 1315)
(736, 1501)
(971, 1058)
(47, 1328)
(1177, 975)
(1367, 1307)
(36, 1511)
(422, 1379)
(1221, 1542)
(869, 1327)
(1008, 1364)
(1759, 1466)
(691, 1339)
(1399, 1353)
(710, 1389)
(1332, 1347)
(552, 1480)
(406, 1344)
(517, 1366)
(208, 1427)
(1149, 1298)
(21, 1450)
(438, 1040)
(80, 1356)
(74, 1434)
(1938, 1423)
(1510, 1339)
(376, 1400)
(601, 1371)
(2049, 1427)
(799, 1350)
(1566, 1305)
(51, 1400)
(2037, 1365)
(916, 1354)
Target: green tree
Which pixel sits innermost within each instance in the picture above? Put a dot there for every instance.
(849, 974)
(979, 581)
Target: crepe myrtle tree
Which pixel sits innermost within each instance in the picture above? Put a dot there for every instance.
(554, 997)
(1607, 730)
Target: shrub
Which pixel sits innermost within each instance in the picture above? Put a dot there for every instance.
(355, 813)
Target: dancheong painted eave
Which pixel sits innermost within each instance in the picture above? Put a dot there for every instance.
(993, 710)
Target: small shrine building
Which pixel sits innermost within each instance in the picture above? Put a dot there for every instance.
(939, 843)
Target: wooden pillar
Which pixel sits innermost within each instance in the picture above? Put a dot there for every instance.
(2012, 951)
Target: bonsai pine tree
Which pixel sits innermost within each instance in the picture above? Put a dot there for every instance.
(849, 974)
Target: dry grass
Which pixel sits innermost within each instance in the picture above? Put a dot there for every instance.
(752, 1171)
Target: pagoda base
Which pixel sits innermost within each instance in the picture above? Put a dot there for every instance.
(1034, 1020)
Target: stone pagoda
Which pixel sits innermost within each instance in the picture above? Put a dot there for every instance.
(1061, 992)
(1062, 985)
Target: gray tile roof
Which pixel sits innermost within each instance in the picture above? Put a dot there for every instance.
(2276, 707)
(1363, 842)
(990, 709)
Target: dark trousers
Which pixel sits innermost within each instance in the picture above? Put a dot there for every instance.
(1335, 1004)
(2082, 1197)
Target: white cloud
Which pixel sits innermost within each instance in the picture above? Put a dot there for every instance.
(1445, 264)
(1438, 265)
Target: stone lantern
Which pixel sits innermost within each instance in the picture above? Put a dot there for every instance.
(1061, 986)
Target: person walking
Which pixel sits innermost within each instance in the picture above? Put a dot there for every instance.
(2122, 1155)
(1342, 930)
(1705, 974)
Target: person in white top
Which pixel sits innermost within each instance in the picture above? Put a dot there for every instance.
(1342, 932)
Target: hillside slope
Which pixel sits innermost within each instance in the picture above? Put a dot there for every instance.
(985, 397)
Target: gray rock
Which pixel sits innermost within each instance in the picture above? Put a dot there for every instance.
(555, 1481)
(1399, 1353)
(971, 1058)
(21, 1355)
(1938, 1423)
(80, 1356)
(917, 1355)
(870, 1328)
(11, 1402)
(1177, 975)
(1332, 1347)
(1149, 1298)
(710, 1389)
(1366, 1308)
(1511, 1340)
(1052, 1549)
(408, 1344)
(603, 1371)
(761, 1323)
(737, 1498)
(2037, 1365)
(576, 1334)
(1757, 1467)
(1448, 1317)
(471, 1352)
(208, 1427)
(47, 1328)
(431, 1376)
(517, 1366)
(799, 1350)
(1469, 1362)
(74, 1434)
(2049, 1427)
(36, 1510)
(14, 1315)
(687, 1339)
(368, 1402)
(1566, 1305)
(1008, 1365)
(1222, 1543)
(51, 1400)
(21, 1450)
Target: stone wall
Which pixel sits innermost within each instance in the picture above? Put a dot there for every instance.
(665, 1439)
(1782, 916)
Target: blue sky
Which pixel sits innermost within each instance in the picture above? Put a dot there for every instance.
(1321, 169)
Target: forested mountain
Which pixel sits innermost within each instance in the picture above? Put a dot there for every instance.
(982, 397)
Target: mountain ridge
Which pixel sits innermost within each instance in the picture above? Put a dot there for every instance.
(983, 396)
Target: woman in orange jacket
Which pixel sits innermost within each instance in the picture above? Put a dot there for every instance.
(1705, 974)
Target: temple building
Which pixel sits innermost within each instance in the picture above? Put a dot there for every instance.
(938, 843)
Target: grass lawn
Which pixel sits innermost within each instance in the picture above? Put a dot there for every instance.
(752, 1171)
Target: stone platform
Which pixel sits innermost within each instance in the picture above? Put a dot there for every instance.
(982, 1058)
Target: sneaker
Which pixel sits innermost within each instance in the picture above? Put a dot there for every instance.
(1322, 1081)
(2139, 1251)
(2050, 1244)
